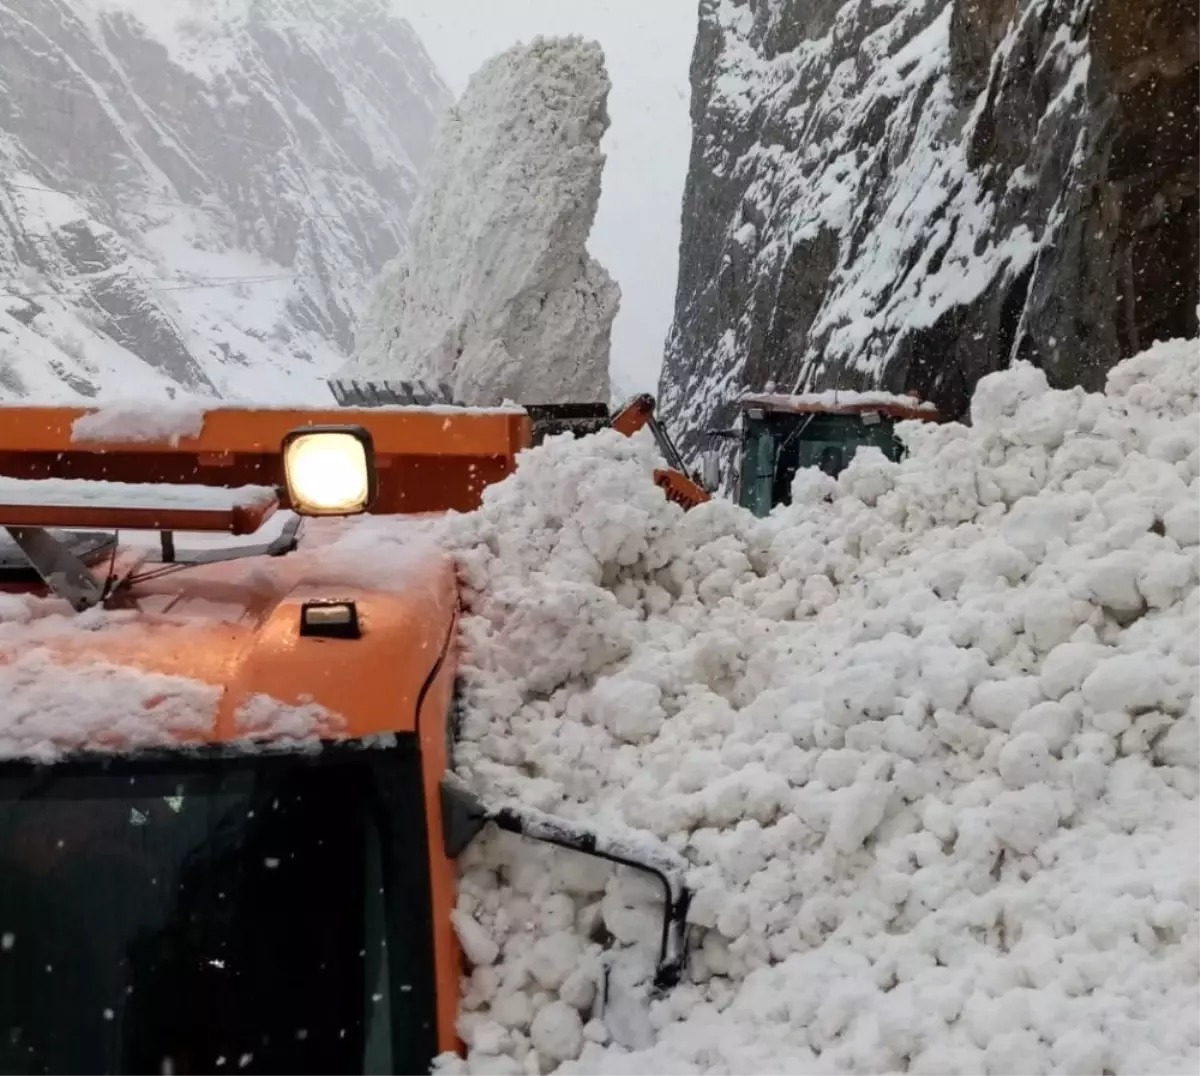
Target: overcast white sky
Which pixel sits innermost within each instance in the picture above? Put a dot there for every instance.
(648, 46)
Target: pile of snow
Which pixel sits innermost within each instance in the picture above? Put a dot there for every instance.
(928, 738)
(497, 296)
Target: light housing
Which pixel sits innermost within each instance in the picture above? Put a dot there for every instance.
(330, 620)
(329, 470)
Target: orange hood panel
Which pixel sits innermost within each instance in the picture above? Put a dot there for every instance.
(236, 627)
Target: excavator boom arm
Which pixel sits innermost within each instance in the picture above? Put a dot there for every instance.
(673, 480)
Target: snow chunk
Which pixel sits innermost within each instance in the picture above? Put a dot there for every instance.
(477, 946)
(557, 1032)
(1024, 760)
(1001, 702)
(1124, 682)
(857, 811)
(1182, 522)
(630, 709)
(1068, 665)
(127, 421)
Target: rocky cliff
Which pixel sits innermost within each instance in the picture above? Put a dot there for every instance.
(198, 195)
(908, 194)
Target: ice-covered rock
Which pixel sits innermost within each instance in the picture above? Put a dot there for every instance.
(498, 296)
(906, 196)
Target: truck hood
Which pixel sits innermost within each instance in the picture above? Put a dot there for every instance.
(214, 653)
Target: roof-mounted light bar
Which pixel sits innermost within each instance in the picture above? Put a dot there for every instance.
(328, 471)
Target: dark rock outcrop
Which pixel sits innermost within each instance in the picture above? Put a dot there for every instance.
(202, 203)
(908, 194)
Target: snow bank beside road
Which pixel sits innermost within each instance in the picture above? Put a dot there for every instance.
(928, 737)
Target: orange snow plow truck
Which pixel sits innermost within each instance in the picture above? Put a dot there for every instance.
(228, 817)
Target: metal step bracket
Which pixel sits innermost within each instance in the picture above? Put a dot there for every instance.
(59, 568)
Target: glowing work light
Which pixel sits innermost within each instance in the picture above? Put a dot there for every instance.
(329, 470)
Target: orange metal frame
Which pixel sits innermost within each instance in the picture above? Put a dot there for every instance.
(428, 460)
(238, 519)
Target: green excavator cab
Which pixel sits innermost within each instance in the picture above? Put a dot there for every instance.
(781, 434)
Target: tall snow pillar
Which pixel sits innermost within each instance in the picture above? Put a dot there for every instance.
(497, 296)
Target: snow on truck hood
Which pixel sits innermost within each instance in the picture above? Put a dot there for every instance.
(928, 738)
(189, 666)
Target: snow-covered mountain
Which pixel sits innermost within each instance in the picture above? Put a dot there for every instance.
(196, 194)
(908, 194)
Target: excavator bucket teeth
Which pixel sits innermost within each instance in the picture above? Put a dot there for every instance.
(681, 489)
(389, 393)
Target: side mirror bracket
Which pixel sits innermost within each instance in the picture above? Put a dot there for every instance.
(464, 817)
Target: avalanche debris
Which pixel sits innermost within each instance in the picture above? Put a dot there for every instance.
(927, 737)
(497, 296)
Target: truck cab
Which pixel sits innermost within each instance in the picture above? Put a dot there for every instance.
(229, 818)
(780, 434)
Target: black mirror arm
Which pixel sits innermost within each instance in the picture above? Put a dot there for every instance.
(464, 816)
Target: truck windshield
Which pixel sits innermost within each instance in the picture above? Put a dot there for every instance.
(216, 914)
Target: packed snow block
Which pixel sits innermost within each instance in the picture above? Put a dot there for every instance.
(497, 295)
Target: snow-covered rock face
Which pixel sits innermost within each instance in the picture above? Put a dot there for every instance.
(910, 194)
(200, 200)
(928, 737)
(498, 297)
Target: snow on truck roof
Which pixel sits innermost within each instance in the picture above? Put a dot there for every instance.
(213, 654)
(844, 402)
(80, 502)
(53, 492)
(170, 421)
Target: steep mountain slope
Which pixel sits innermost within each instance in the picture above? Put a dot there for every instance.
(200, 203)
(908, 194)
